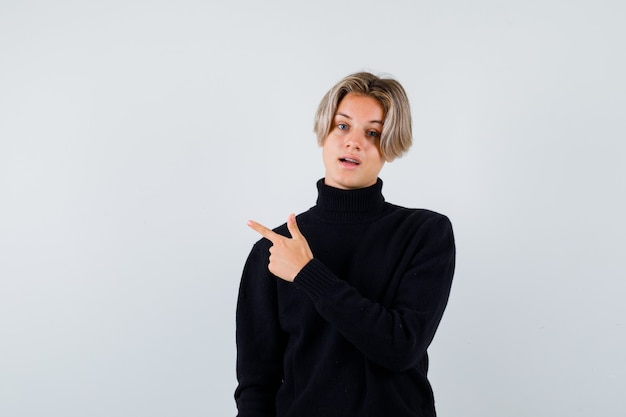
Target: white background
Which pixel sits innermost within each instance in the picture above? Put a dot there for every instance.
(137, 137)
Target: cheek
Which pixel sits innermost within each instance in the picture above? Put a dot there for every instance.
(374, 150)
(325, 154)
(328, 146)
(380, 161)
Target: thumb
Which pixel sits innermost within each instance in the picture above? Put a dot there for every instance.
(292, 225)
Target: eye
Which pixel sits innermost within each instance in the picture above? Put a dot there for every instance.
(342, 126)
(373, 134)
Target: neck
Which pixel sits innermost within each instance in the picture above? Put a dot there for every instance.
(335, 205)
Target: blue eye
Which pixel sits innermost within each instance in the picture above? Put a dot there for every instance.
(373, 134)
(342, 126)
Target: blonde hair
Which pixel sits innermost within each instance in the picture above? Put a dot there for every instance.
(397, 134)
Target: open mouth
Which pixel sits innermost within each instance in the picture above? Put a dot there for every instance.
(349, 161)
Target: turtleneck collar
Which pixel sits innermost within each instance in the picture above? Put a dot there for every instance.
(335, 205)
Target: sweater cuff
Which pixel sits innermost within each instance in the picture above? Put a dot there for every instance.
(315, 279)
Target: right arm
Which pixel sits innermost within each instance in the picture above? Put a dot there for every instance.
(260, 341)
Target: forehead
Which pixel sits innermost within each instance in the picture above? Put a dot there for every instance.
(361, 107)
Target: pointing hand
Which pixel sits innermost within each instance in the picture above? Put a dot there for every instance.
(287, 255)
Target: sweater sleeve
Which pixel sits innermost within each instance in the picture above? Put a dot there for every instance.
(394, 336)
(260, 341)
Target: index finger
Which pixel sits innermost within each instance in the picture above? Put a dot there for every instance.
(264, 231)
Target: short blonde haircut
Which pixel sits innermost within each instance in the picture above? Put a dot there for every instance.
(397, 134)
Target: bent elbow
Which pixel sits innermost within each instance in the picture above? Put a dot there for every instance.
(401, 358)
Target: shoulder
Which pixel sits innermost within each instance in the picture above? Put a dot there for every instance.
(420, 226)
(418, 216)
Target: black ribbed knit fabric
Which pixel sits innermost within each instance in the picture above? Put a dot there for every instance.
(349, 336)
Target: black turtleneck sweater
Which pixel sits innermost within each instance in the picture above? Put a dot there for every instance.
(349, 336)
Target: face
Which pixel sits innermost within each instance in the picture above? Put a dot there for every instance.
(351, 150)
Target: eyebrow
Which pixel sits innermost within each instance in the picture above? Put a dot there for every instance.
(348, 117)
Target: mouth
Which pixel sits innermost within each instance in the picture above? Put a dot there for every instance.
(350, 161)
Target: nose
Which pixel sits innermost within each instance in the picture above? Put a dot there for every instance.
(354, 141)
